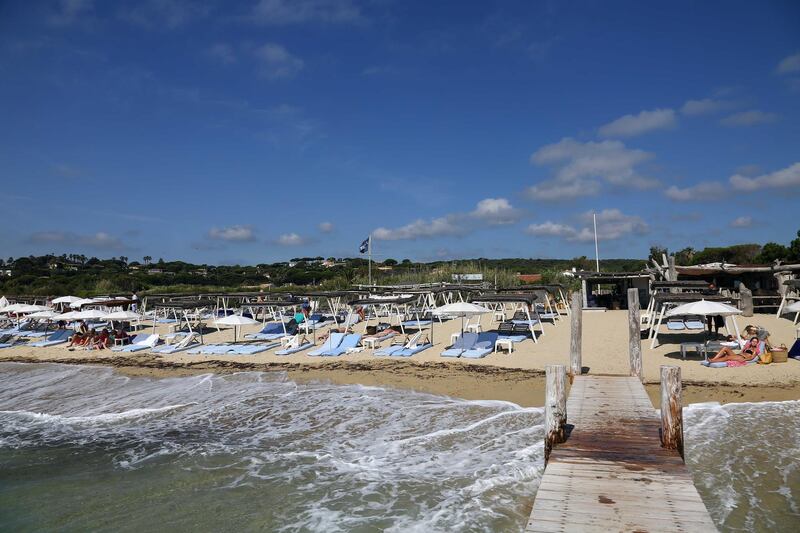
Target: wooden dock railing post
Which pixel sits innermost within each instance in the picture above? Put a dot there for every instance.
(635, 334)
(576, 335)
(671, 409)
(555, 407)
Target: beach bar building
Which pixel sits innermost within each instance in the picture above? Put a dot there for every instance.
(609, 290)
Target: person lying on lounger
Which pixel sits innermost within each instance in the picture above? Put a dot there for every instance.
(325, 336)
(749, 352)
(388, 332)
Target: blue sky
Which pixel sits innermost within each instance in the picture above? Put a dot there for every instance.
(257, 131)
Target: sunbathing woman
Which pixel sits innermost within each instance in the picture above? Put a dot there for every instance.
(749, 352)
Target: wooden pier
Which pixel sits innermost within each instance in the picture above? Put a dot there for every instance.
(612, 472)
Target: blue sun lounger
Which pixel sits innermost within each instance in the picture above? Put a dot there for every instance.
(333, 342)
(694, 322)
(350, 341)
(463, 343)
(483, 346)
(250, 349)
(294, 349)
(58, 337)
(270, 332)
(416, 324)
(675, 324)
(724, 364)
(408, 352)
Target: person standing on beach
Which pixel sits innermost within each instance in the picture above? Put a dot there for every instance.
(135, 304)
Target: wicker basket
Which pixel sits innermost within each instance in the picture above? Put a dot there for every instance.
(780, 354)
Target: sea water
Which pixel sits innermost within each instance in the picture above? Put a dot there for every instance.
(84, 448)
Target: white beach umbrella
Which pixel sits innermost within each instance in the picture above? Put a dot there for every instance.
(90, 314)
(236, 321)
(65, 299)
(13, 308)
(43, 314)
(126, 316)
(80, 302)
(28, 309)
(70, 315)
(793, 308)
(704, 308)
(461, 309)
(3, 303)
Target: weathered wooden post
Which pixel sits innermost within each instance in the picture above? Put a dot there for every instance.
(635, 334)
(555, 408)
(576, 334)
(671, 409)
(673, 274)
(746, 299)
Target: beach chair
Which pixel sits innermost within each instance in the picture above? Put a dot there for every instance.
(138, 343)
(294, 345)
(398, 345)
(250, 349)
(483, 346)
(724, 364)
(464, 342)
(273, 331)
(507, 331)
(189, 340)
(676, 324)
(694, 323)
(57, 337)
(333, 342)
(412, 347)
(349, 342)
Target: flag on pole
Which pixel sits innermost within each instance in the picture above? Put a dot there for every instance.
(364, 248)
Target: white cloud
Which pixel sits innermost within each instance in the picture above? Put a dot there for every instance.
(222, 52)
(237, 233)
(632, 125)
(787, 177)
(496, 211)
(291, 239)
(551, 229)
(100, 240)
(326, 227)
(701, 192)
(489, 211)
(578, 166)
(70, 11)
(556, 190)
(612, 224)
(420, 228)
(750, 118)
(789, 64)
(705, 106)
(742, 222)
(284, 12)
(276, 62)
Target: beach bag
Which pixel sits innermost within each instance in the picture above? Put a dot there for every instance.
(779, 354)
(765, 357)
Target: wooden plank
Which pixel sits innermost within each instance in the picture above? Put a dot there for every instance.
(612, 473)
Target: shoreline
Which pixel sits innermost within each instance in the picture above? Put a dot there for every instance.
(524, 387)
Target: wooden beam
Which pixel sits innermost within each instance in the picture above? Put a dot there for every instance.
(671, 409)
(635, 334)
(576, 334)
(555, 413)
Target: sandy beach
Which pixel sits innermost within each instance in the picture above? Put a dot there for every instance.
(516, 377)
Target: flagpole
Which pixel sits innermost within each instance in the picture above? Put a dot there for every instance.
(596, 251)
(370, 259)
